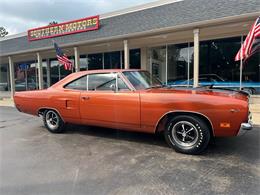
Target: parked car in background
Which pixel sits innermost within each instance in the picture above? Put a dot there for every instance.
(133, 100)
(213, 79)
(21, 85)
(3, 86)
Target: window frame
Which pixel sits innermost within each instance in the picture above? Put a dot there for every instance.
(118, 75)
(64, 86)
(129, 82)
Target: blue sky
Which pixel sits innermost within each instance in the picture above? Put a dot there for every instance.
(20, 15)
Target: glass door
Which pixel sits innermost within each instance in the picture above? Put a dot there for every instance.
(26, 77)
(157, 62)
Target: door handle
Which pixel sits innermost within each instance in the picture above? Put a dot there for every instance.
(85, 98)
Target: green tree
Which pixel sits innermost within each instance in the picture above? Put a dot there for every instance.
(3, 32)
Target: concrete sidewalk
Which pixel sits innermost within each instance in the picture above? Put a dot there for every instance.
(255, 110)
(6, 102)
(5, 94)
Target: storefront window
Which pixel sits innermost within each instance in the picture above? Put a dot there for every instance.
(4, 77)
(57, 71)
(64, 72)
(123, 59)
(251, 73)
(32, 76)
(217, 65)
(179, 64)
(157, 62)
(217, 59)
(83, 62)
(45, 75)
(95, 61)
(26, 77)
(135, 58)
(112, 60)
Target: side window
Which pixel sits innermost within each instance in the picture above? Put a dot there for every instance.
(105, 82)
(79, 84)
(121, 85)
(100, 81)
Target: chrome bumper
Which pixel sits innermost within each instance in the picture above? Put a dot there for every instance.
(245, 127)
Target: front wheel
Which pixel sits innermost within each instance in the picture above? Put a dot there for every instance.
(187, 134)
(53, 121)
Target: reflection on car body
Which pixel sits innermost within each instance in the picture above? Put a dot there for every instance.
(217, 81)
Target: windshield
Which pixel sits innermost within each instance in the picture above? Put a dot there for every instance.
(142, 79)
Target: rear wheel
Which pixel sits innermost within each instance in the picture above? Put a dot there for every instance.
(53, 121)
(187, 134)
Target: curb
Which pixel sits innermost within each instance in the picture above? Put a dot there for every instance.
(7, 106)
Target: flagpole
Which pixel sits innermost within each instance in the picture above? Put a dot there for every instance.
(241, 65)
(59, 70)
(240, 80)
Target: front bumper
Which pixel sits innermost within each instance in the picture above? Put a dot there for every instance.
(245, 127)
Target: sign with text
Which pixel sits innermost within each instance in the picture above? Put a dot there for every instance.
(71, 27)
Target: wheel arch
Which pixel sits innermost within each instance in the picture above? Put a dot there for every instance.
(164, 118)
(43, 109)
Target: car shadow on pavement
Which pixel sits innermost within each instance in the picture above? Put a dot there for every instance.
(246, 146)
(108, 133)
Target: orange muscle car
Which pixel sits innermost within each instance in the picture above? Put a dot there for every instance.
(134, 100)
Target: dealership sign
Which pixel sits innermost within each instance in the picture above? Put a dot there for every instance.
(75, 26)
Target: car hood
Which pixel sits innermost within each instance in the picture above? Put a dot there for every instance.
(201, 91)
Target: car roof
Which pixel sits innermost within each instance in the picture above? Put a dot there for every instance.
(76, 75)
(81, 73)
(108, 70)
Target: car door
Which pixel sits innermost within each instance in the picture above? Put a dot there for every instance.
(68, 100)
(109, 102)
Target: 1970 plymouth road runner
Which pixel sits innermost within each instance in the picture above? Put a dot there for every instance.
(135, 101)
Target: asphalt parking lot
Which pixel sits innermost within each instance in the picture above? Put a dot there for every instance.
(90, 160)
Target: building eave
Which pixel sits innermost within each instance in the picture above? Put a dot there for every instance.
(188, 26)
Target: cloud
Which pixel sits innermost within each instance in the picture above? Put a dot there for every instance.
(20, 15)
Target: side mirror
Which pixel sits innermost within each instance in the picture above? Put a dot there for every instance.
(113, 87)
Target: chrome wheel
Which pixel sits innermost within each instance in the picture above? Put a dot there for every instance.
(52, 119)
(185, 133)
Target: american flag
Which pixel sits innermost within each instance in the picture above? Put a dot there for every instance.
(63, 59)
(251, 43)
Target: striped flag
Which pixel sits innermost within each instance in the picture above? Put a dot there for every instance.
(62, 58)
(251, 43)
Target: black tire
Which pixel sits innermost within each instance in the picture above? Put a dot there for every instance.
(53, 122)
(193, 140)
